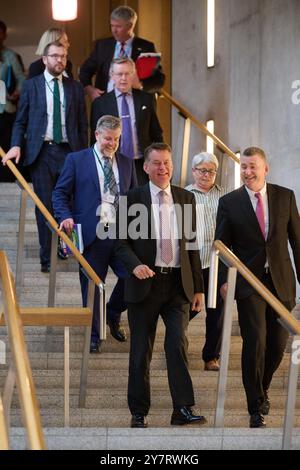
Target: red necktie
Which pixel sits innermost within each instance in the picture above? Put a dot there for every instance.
(260, 214)
(122, 50)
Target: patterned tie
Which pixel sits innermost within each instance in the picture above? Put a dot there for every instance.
(127, 147)
(110, 183)
(122, 50)
(165, 229)
(57, 133)
(260, 214)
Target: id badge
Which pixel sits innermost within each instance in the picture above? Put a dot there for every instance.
(108, 198)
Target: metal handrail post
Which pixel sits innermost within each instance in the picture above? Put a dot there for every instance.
(86, 348)
(67, 376)
(213, 278)
(185, 151)
(53, 265)
(102, 312)
(225, 349)
(8, 392)
(21, 239)
(291, 395)
(4, 441)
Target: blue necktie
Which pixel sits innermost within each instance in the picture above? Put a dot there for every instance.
(57, 133)
(127, 147)
(110, 183)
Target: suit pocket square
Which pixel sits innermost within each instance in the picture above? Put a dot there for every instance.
(144, 107)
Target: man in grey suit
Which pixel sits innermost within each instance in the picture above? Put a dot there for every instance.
(257, 221)
(165, 279)
(141, 114)
(52, 120)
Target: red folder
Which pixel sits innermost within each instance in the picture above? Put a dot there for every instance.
(147, 64)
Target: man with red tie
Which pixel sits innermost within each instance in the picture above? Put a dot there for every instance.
(257, 221)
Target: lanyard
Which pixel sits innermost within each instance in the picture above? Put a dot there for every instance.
(106, 176)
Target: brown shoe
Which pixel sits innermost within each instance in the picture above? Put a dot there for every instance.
(212, 365)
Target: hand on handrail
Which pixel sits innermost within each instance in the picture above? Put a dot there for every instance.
(14, 152)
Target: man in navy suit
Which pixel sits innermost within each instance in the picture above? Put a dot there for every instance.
(257, 221)
(52, 118)
(87, 192)
(144, 123)
(123, 44)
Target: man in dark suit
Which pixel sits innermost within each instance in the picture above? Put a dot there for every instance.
(123, 44)
(52, 119)
(87, 193)
(163, 260)
(143, 121)
(257, 221)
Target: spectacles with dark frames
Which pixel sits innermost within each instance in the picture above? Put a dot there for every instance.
(205, 171)
(57, 56)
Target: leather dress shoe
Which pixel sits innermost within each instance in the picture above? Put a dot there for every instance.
(212, 365)
(95, 347)
(45, 267)
(257, 421)
(117, 331)
(265, 407)
(138, 421)
(185, 415)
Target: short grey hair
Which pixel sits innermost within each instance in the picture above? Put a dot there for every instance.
(205, 157)
(119, 61)
(124, 13)
(108, 122)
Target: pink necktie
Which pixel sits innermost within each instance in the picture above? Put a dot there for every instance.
(165, 230)
(260, 214)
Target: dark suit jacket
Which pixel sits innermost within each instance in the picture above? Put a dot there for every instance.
(100, 59)
(37, 67)
(31, 120)
(238, 228)
(148, 127)
(134, 252)
(77, 193)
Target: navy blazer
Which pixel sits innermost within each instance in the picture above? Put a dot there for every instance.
(147, 123)
(31, 120)
(100, 59)
(77, 194)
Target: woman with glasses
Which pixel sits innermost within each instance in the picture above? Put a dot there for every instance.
(207, 194)
(49, 36)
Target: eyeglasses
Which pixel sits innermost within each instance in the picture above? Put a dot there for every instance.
(205, 171)
(57, 56)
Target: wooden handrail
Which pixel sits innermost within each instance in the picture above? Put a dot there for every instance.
(77, 255)
(53, 316)
(286, 316)
(182, 110)
(26, 388)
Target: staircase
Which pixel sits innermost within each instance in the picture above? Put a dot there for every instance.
(103, 424)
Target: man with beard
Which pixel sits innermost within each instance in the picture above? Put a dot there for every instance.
(52, 118)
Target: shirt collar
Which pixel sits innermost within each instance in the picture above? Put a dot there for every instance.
(99, 154)
(49, 77)
(119, 93)
(192, 187)
(127, 43)
(263, 191)
(156, 189)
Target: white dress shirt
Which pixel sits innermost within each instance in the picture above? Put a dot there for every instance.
(49, 84)
(154, 190)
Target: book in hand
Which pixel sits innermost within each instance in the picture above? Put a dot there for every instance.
(76, 238)
(147, 63)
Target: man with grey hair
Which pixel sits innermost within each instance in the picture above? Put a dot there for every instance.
(207, 194)
(123, 44)
(136, 108)
(87, 193)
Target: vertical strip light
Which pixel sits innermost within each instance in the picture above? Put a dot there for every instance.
(211, 20)
(237, 172)
(209, 142)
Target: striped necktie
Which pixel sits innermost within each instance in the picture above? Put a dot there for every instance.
(110, 183)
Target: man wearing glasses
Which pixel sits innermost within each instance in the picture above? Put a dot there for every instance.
(207, 194)
(52, 118)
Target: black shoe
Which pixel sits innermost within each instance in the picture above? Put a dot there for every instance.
(45, 267)
(61, 254)
(265, 407)
(185, 415)
(257, 421)
(117, 331)
(138, 421)
(95, 347)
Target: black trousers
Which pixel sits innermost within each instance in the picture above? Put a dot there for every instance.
(168, 300)
(264, 342)
(44, 173)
